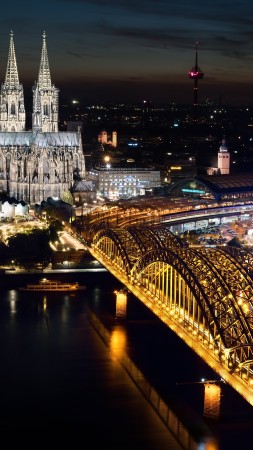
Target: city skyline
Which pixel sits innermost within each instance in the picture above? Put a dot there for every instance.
(134, 50)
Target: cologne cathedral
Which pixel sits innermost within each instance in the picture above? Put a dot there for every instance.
(42, 162)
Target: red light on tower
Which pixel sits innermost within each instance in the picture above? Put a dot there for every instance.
(195, 74)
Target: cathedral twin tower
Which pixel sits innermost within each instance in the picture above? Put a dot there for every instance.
(43, 162)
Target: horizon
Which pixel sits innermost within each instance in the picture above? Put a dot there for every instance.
(130, 51)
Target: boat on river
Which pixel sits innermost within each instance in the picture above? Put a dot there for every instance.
(46, 285)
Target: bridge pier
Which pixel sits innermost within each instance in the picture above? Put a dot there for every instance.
(121, 304)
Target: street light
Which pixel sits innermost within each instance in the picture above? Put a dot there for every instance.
(107, 161)
(85, 206)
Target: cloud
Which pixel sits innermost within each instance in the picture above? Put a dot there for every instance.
(131, 41)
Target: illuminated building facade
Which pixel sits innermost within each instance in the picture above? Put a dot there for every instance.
(179, 166)
(116, 183)
(216, 187)
(42, 162)
(223, 158)
(103, 138)
(223, 161)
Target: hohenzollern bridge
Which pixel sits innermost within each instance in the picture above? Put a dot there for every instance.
(204, 294)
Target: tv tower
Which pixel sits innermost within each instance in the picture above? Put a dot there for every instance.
(196, 74)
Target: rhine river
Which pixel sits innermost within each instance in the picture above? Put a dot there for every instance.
(63, 381)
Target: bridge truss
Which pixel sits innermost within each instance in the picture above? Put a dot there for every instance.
(205, 295)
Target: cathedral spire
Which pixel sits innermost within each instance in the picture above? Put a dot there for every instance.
(12, 107)
(45, 97)
(44, 79)
(11, 77)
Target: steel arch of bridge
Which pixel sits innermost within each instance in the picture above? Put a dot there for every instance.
(205, 295)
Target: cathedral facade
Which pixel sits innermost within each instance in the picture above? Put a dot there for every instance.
(42, 162)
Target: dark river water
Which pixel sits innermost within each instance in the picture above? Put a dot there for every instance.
(60, 385)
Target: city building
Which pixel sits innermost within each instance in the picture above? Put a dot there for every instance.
(114, 183)
(104, 138)
(179, 166)
(223, 161)
(84, 194)
(217, 187)
(224, 158)
(10, 209)
(42, 162)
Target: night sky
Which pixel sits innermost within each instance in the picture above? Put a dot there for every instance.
(134, 50)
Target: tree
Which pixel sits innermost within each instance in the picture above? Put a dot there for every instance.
(31, 249)
(53, 229)
(3, 253)
(67, 197)
(55, 210)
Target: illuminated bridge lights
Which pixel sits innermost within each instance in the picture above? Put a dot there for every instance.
(188, 321)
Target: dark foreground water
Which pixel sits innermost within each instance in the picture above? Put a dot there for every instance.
(60, 385)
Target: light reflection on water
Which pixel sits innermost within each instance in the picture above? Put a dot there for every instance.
(209, 444)
(12, 301)
(118, 342)
(47, 321)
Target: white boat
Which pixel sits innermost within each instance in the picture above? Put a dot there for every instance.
(45, 285)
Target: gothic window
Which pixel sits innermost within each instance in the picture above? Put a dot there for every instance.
(8, 164)
(45, 167)
(56, 175)
(25, 168)
(13, 109)
(75, 159)
(67, 167)
(45, 109)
